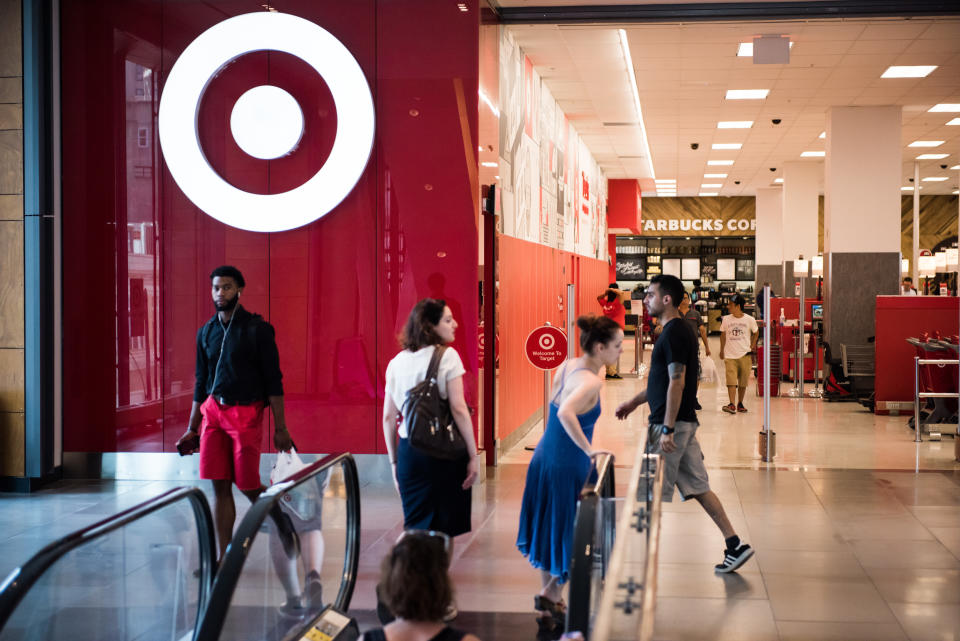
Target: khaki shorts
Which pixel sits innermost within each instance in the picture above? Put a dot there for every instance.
(738, 370)
(682, 468)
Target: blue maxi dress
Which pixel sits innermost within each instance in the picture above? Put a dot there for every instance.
(555, 477)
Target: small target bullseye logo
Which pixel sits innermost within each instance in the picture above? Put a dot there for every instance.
(547, 341)
(266, 121)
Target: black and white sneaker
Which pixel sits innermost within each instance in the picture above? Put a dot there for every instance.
(733, 559)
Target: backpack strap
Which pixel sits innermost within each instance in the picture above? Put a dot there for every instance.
(434, 366)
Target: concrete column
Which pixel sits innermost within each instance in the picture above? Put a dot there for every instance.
(861, 218)
(801, 193)
(769, 239)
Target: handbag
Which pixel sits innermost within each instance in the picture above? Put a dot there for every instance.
(302, 500)
(430, 426)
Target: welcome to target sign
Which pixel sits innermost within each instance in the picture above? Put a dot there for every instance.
(546, 347)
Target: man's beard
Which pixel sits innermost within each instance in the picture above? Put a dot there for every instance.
(228, 306)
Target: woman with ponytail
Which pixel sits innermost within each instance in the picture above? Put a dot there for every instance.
(562, 461)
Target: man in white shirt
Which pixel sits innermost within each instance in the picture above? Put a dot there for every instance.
(738, 339)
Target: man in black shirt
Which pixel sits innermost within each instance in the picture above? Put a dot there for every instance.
(238, 374)
(672, 395)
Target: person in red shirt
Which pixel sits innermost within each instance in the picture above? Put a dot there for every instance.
(611, 302)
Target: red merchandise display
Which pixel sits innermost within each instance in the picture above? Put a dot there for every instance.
(898, 318)
(137, 253)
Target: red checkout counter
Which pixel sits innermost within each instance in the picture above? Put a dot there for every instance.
(784, 335)
(898, 318)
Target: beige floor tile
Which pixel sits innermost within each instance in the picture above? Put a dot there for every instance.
(835, 631)
(950, 537)
(910, 585)
(839, 563)
(929, 622)
(904, 527)
(700, 581)
(804, 598)
(915, 554)
(937, 515)
(686, 619)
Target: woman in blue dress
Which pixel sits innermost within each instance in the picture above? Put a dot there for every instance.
(562, 461)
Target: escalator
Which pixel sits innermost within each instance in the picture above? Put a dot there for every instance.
(147, 574)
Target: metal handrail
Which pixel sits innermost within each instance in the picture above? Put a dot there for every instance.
(640, 527)
(917, 394)
(231, 567)
(20, 580)
(589, 512)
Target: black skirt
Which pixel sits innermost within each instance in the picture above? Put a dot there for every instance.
(431, 492)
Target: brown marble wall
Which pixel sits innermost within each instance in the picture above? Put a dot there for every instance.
(852, 283)
(11, 242)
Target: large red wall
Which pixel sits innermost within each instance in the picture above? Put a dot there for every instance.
(532, 290)
(137, 252)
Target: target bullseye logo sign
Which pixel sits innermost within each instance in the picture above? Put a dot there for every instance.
(266, 121)
(546, 347)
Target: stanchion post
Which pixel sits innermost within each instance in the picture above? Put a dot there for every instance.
(767, 445)
(802, 324)
(916, 397)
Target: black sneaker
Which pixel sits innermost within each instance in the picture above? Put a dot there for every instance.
(313, 593)
(741, 408)
(733, 559)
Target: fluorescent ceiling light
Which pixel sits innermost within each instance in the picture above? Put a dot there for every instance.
(718, 185)
(955, 192)
(719, 162)
(822, 135)
(813, 154)
(714, 175)
(734, 124)
(708, 193)
(945, 107)
(664, 180)
(727, 145)
(747, 94)
(488, 164)
(934, 179)
(915, 71)
(778, 180)
(631, 73)
(926, 143)
(955, 167)
(908, 188)
(745, 50)
(932, 156)
(954, 122)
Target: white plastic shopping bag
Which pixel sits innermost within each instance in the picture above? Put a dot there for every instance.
(708, 369)
(302, 500)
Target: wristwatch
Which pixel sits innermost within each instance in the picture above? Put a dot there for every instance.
(667, 430)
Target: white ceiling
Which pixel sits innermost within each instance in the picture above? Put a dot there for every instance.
(684, 70)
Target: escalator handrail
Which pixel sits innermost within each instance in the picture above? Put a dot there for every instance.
(581, 563)
(21, 579)
(231, 567)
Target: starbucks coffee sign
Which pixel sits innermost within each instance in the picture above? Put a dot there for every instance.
(708, 216)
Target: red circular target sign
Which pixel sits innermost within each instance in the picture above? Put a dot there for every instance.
(546, 347)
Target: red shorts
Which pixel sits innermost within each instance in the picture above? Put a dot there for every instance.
(230, 440)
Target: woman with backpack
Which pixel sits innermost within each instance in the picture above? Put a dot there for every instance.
(435, 492)
(562, 462)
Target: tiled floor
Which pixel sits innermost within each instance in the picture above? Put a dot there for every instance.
(856, 527)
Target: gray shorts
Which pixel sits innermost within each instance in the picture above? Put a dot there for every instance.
(683, 468)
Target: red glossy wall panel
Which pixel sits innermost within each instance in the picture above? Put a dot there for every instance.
(532, 290)
(337, 291)
(898, 318)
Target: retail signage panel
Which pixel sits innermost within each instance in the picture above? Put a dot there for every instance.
(546, 347)
(735, 216)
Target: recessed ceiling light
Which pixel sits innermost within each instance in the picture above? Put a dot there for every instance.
(719, 162)
(734, 124)
(747, 94)
(714, 175)
(778, 180)
(488, 164)
(813, 154)
(496, 177)
(955, 192)
(664, 180)
(915, 71)
(954, 122)
(946, 107)
(745, 50)
(718, 185)
(934, 179)
(906, 189)
(823, 134)
(932, 156)
(926, 143)
(708, 193)
(727, 145)
(955, 167)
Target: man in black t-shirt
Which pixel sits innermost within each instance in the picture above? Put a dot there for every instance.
(672, 395)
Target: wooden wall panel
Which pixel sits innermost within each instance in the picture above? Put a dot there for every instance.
(938, 221)
(11, 380)
(689, 209)
(12, 461)
(11, 284)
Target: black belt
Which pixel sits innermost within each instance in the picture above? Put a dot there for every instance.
(222, 400)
